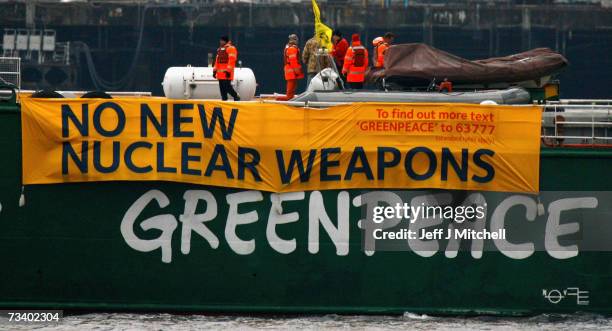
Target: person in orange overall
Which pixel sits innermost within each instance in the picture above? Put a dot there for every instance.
(445, 86)
(355, 63)
(380, 49)
(225, 62)
(293, 67)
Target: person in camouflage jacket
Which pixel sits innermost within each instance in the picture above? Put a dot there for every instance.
(309, 57)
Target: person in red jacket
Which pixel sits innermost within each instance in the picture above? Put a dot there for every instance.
(225, 62)
(355, 63)
(293, 67)
(340, 46)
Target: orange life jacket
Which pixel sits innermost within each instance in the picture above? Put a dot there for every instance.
(225, 62)
(293, 67)
(355, 63)
(446, 86)
(380, 51)
(377, 41)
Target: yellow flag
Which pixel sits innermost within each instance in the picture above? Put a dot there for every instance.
(322, 31)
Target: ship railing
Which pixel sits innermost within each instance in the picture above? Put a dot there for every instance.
(577, 123)
(582, 102)
(10, 71)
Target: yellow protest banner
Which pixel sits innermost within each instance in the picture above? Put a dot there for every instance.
(280, 148)
(322, 31)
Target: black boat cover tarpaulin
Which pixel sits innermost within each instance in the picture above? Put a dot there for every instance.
(417, 64)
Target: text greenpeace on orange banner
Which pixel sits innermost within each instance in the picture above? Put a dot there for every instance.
(279, 148)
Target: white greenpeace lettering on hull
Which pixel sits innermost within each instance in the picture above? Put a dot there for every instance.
(166, 223)
(317, 215)
(242, 247)
(554, 226)
(512, 250)
(242, 212)
(371, 200)
(452, 249)
(427, 248)
(196, 223)
(277, 217)
(192, 222)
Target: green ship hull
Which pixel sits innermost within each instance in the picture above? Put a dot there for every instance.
(66, 246)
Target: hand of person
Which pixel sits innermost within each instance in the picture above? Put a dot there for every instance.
(214, 73)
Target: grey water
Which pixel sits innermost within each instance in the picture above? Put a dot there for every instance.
(408, 321)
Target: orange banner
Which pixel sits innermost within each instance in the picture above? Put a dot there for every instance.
(280, 148)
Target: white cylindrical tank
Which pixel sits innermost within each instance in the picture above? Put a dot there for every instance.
(199, 83)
